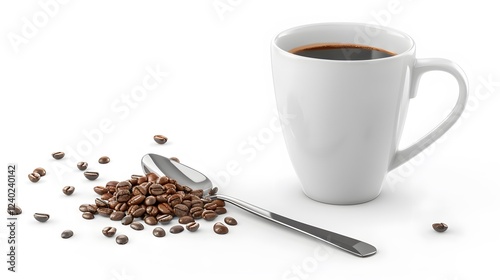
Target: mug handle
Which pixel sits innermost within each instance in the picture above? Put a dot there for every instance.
(425, 65)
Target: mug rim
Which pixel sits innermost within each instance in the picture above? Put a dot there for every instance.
(291, 30)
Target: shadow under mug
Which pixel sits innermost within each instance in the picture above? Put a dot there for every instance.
(342, 120)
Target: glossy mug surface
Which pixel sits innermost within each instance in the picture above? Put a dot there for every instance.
(342, 119)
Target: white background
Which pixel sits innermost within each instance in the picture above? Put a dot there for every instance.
(79, 62)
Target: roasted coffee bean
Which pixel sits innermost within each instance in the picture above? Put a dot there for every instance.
(137, 226)
(152, 210)
(165, 208)
(164, 218)
(174, 199)
(100, 190)
(124, 185)
(117, 216)
(192, 226)
(220, 210)
(104, 160)
(127, 220)
(82, 165)
(162, 180)
(14, 210)
(121, 206)
(104, 211)
(122, 239)
(230, 221)
(159, 232)
(210, 206)
(40, 171)
(187, 202)
(111, 186)
(152, 177)
(101, 203)
(109, 231)
(58, 155)
(142, 179)
(34, 177)
(156, 189)
(176, 229)
(186, 220)
(219, 203)
(136, 199)
(181, 210)
(88, 215)
(112, 203)
(220, 228)
(91, 175)
(133, 181)
(150, 200)
(213, 191)
(150, 220)
(67, 234)
(171, 191)
(209, 215)
(41, 217)
(141, 189)
(107, 196)
(440, 227)
(92, 208)
(138, 212)
(160, 139)
(175, 159)
(68, 190)
(123, 195)
(198, 193)
(196, 212)
(161, 198)
(83, 207)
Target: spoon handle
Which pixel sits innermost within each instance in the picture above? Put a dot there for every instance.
(351, 245)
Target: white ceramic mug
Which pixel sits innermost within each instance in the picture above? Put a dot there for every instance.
(342, 119)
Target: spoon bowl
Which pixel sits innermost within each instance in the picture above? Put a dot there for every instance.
(185, 175)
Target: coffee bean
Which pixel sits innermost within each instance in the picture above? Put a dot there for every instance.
(152, 210)
(100, 190)
(159, 232)
(152, 177)
(117, 216)
(162, 180)
(164, 218)
(150, 220)
(111, 186)
(209, 215)
(101, 203)
(165, 208)
(219, 203)
(176, 229)
(156, 189)
(34, 177)
(58, 155)
(68, 190)
(186, 220)
(104, 211)
(41, 217)
(150, 200)
(160, 139)
(91, 175)
(109, 231)
(104, 160)
(83, 207)
(14, 210)
(92, 208)
(220, 210)
(127, 220)
(67, 234)
(192, 226)
(138, 212)
(220, 228)
(196, 212)
(181, 210)
(174, 199)
(88, 215)
(124, 185)
(123, 195)
(82, 165)
(230, 221)
(210, 206)
(440, 227)
(121, 239)
(40, 171)
(137, 226)
(213, 191)
(175, 159)
(136, 199)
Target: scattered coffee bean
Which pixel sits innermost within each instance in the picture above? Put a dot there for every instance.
(91, 175)
(100, 190)
(117, 216)
(230, 221)
(82, 165)
(58, 155)
(109, 231)
(14, 210)
(67, 234)
(186, 220)
(40, 171)
(137, 226)
(213, 191)
(164, 218)
(220, 228)
(34, 177)
(41, 217)
(104, 211)
(192, 226)
(159, 232)
(440, 227)
(83, 207)
(176, 229)
(175, 159)
(127, 220)
(88, 215)
(122, 239)
(104, 160)
(160, 139)
(68, 190)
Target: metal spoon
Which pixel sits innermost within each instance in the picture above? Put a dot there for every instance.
(185, 175)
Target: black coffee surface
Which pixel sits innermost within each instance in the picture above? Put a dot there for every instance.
(341, 52)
